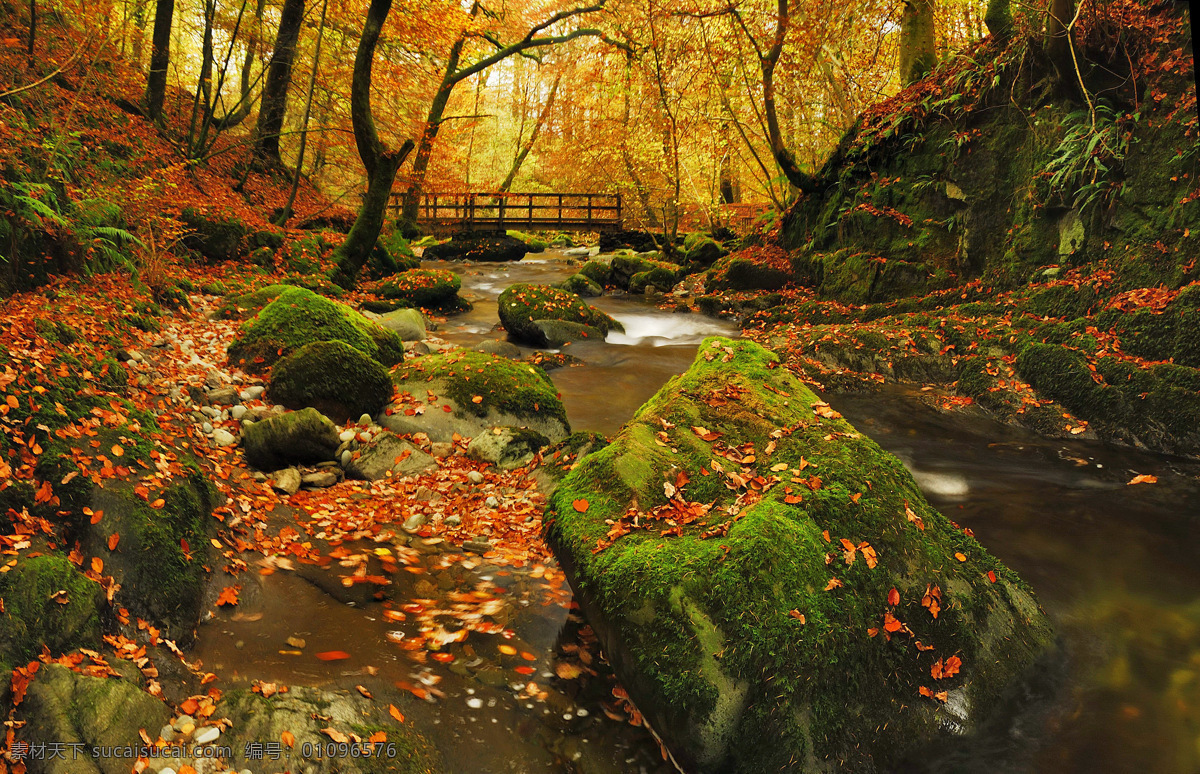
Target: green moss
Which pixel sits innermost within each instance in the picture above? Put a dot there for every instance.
(298, 317)
(581, 285)
(333, 377)
(699, 628)
(33, 616)
(427, 288)
(597, 271)
(625, 267)
(661, 278)
(241, 305)
(503, 385)
(216, 237)
(521, 306)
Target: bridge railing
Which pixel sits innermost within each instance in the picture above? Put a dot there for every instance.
(489, 211)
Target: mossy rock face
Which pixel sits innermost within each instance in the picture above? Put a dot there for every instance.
(409, 324)
(429, 288)
(510, 394)
(67, 708)
(521, 306)
(33, 615)
(559, 333)
(659, 277)
(238, 306)
(298, 317)
(304, 713)
(303, 436)
(787, 639)
(582, 286)
(625, 267)
(487, 248)
(598, 272)
(702, 250)
(507, 447)
(741, 274)
(160, 581)
(332, 377)
(216, 237)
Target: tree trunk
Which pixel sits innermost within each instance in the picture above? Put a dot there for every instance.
(32, 27)
(918, 52)
(999, 19)
(537, 129)
(160, 58)
(286, 213)
(1059, 28)
(411, 201)
(139, 25)
(279, 78)
(381, 164)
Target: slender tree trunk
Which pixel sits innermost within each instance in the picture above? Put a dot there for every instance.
(523, 153)
(286, 213)
(918, 45)
(246, 81)
(381, 164)
(279, 79)
(139, 36)
(639, 186)
(1058, 40)
(411, 202)
(160, 58)
(998, 19)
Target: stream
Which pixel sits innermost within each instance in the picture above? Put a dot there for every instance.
(1114, 566)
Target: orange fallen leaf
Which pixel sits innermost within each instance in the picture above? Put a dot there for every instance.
(834, 583)
(362, 689)
(117, 451)
(477, 399)
(524, 670)
(288, 738)
(333, 655)
(960, 556)
(992, 576)
(97, 565)
(893, 597)
(797, 615)
(395, 713)
(1143, 480)
(113, 539)
(335, 735)
(158, 503)
(228, 596)
(507, 650)
(581, 505)
(891, 623)
(567, 671)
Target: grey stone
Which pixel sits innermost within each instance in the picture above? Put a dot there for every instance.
(255, 392)
(207, 427)
(506, 447)
(414, 522)
(224, 396)
(475, 477)
(441, 449)
(222, 437)
(237, 412)
(286, 481)
(388, 454)
(320, 479)
(559, 332)
(478, 546)
(409, 324)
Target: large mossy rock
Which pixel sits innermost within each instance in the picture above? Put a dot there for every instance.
(214, 236)
(409, 324)
(332, 377)
(47, 602)
(491, 248)
(782, 628)
(242, 305)
(430, 288)
(297, 317)
(67, 708)
(160, 580)
(521, 306)
(304, 436)
(634, 272)
(509, 394)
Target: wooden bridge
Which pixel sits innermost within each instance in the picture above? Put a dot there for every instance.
(478, 211)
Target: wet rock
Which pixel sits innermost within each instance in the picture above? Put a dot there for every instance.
(426, 288)
(237, 412)
(705, 633)
(222, 437)
(286, 481)
(299, 436)
(506, 447)
(478, 546)
(388, 454)
(499, 347)
(582, 285)
(557, 333)
(489, 248)
(36, 614)
(414, 522)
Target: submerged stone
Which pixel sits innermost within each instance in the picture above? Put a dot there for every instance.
(785, 599)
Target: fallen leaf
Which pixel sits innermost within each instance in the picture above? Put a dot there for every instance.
(797, 615)
(228, 596)
(891, 623)
(395, 713)
(288, 738)
(333, 655)
(893, 597)
(477, 399)
(581, 505)
(1143, 480)
(960, 556)
(113, 539)
(834, 583)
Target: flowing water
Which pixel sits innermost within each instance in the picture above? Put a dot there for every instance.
(1114, 566)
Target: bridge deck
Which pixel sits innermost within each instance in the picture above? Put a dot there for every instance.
(480, 211)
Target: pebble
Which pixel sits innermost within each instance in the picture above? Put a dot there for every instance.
(320, 480)
(346, 435)
(346, 457)
(206, 427)
(255, 392)
(224, 396)
(478, 546)
(184, 722)
(166, 770)
(223, 437)
(213, 380)
(441, 449)
(364, 437)
(365, 420)
(453, 520)
(491, 502)
(475, 702)
(207, 735)
(475, 477)
(167, 733)
(414, 522)
(237, 412)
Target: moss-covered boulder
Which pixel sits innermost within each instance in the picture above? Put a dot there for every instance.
(216, 237)
(479, 247)
(467, 392)
(660, 278)
(409, 324)
(701, 250)
(624, 268)
(332, 377)
(522, 305)
(772, 588)
(161, 550)
(87, 714)
(297, 317)
(47, 602)
(430, 288)
(507, 447)
(304, 436)
(581, 285)
(598, 272)
(238, 306)
(742, 273)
